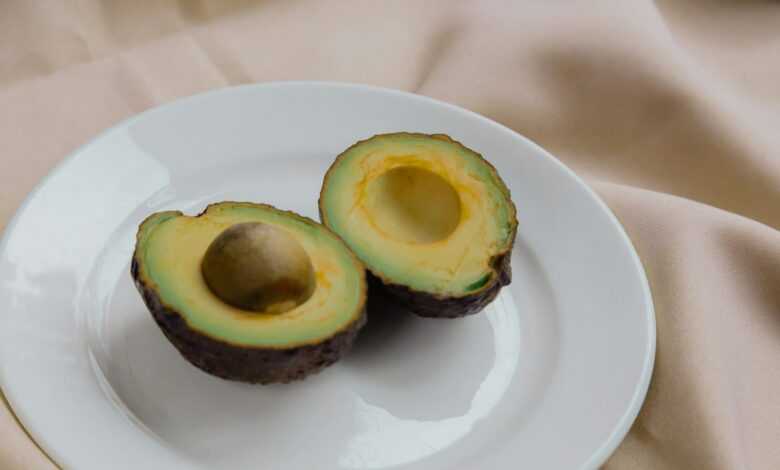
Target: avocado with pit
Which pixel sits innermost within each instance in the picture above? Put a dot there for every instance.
(430, 219)
(248, 292)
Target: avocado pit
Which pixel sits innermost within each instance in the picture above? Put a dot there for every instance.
(258, 267)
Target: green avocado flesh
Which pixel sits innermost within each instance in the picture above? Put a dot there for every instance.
(171, 247)
(421, 211)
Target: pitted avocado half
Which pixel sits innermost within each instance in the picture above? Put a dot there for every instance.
(297, 313)
(431, 220)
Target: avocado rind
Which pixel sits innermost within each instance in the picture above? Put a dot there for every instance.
(425, 304)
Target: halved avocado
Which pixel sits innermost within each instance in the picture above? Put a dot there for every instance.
(431, 220)
(278, 344)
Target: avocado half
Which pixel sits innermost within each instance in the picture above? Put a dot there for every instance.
(237, 344)
(431, 220)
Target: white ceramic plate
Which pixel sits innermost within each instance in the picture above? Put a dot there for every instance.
(550, 376)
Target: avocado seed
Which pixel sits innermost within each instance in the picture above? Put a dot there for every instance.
(258, 267)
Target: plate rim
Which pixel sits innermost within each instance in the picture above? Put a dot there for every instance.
(623, 425)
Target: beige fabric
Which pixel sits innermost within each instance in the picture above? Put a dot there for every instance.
(671, 109)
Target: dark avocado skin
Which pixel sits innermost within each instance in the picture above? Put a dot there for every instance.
(255, 365)
(427, 304)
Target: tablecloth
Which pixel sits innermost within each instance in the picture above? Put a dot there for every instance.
(669, 108)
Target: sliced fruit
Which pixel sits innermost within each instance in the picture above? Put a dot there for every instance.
(431, 220)
(249, 292)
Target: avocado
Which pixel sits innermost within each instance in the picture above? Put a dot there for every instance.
(249, 292)
(431, 220)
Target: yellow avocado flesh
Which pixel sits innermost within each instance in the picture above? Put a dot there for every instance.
(420, 211)
(171, 247)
